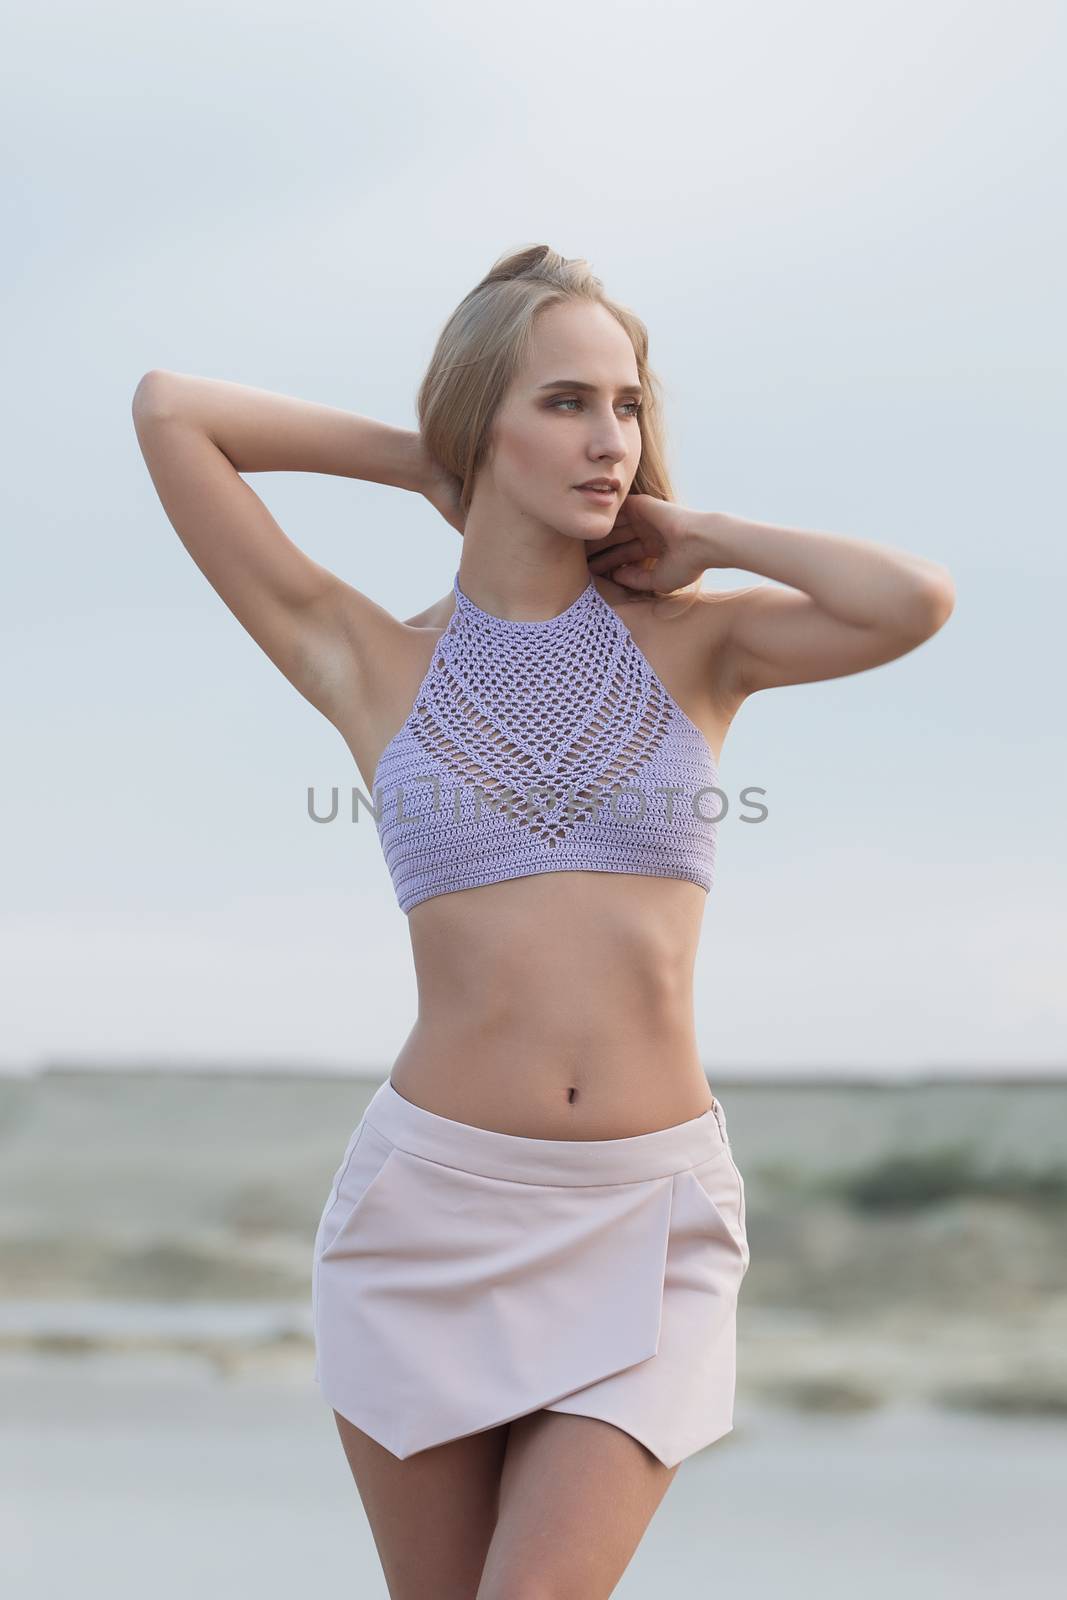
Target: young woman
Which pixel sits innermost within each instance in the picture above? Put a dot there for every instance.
(525, 1277)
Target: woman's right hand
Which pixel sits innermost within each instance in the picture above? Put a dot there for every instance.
(442, 489)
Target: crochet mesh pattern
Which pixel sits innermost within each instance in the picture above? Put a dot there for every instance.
(543, 747)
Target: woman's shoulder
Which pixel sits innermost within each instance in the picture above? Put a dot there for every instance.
(684, 641)
(669, 618)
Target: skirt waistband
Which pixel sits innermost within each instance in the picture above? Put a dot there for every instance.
(658, 1154)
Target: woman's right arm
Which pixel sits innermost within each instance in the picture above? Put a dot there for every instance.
(197, 436)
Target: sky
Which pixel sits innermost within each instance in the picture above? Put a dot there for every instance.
(843, 227)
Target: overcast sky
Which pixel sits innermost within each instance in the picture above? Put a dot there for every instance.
(843, 225)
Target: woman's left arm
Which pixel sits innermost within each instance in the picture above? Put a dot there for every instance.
(851, 604)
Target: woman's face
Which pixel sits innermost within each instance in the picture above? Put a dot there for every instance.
(548, 437)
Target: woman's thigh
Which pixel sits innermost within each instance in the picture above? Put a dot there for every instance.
(576, 1497)
(432, 1515)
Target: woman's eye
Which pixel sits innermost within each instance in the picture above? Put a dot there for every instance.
(571, 401)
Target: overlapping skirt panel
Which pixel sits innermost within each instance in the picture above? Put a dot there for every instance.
(464, 1278)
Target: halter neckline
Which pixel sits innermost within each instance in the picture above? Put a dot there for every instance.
(464, 601)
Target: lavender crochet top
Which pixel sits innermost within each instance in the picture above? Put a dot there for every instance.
(543, 747)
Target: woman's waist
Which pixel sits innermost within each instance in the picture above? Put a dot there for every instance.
(544, 1080)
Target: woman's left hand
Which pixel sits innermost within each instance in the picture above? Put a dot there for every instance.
(651, 548)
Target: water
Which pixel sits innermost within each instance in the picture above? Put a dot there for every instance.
(134, 1479)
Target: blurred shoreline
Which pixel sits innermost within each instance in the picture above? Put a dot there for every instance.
(851, 1076)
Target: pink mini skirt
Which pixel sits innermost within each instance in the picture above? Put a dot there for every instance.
(463, 1278)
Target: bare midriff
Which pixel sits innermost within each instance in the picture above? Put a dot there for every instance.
(557, 1006)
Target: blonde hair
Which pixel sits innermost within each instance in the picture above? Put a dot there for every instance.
(486, 340)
